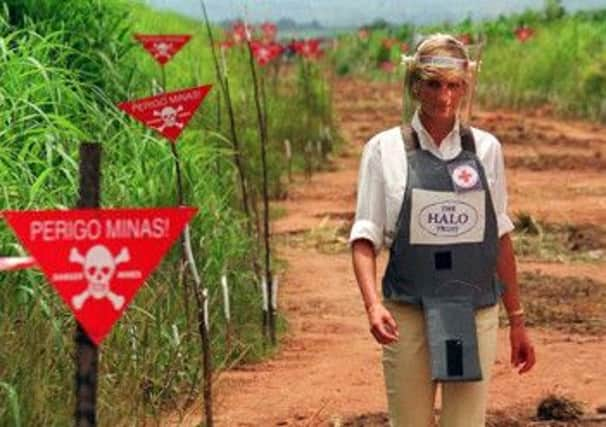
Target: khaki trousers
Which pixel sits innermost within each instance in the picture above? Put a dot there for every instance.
(410, 390)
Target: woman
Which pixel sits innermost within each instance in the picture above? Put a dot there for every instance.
(434, 193)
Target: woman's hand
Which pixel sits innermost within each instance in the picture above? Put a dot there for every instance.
(522, 351)
(382, 324)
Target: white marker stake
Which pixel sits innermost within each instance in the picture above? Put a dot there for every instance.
(225, 297)
(190, 256)
(176, 336)
(194, 271)
(287, 149)
(133, 343)
(205, 295)
(16, 263)
(177, 339)
(223, 61)
(264, 293)
(308, 147)
(319, 146)
(274, 293)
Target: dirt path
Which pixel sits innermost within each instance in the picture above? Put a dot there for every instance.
(328, 367)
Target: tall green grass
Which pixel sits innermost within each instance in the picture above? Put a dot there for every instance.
(96, 31)
(563, 66)
(51, 101)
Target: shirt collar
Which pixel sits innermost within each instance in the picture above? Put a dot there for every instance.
(450, 146)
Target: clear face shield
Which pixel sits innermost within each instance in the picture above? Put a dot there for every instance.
(471, 68)
(474, 51)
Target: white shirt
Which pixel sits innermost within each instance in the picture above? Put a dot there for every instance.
(383, 171)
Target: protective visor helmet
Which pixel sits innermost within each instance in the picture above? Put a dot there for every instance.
(436, 56)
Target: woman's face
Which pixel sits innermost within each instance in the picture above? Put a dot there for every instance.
(440, 97)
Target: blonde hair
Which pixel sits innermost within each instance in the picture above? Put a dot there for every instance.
(438, 45)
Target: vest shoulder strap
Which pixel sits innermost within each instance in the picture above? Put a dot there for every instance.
(410, 137)
(468, 143)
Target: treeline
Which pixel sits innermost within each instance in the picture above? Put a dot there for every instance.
(547, 57)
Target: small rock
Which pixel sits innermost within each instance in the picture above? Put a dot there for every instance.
(595, 254)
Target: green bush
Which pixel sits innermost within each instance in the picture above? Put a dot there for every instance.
(343, 69)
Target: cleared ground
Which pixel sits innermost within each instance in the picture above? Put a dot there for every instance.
(328, 370)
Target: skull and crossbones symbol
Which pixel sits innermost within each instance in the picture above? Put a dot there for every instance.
(99, 267)
(162, 49)
(169, 116)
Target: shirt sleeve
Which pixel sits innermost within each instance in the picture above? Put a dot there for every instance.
(369, 222)
(504, 223)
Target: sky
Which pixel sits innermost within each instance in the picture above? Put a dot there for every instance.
(344, 13)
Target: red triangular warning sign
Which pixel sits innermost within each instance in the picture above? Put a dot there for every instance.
(162, 47)
(98, 259)
(167, 113)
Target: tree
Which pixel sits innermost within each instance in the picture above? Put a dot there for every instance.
(379, 24)
(553, 10)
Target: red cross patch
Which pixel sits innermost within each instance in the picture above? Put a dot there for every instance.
(465, 176)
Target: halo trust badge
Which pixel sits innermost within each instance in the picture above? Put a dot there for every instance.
(450, 218)
(446, 217)
(465, 176)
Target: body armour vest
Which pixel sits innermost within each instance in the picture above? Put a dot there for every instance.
(446, 238)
